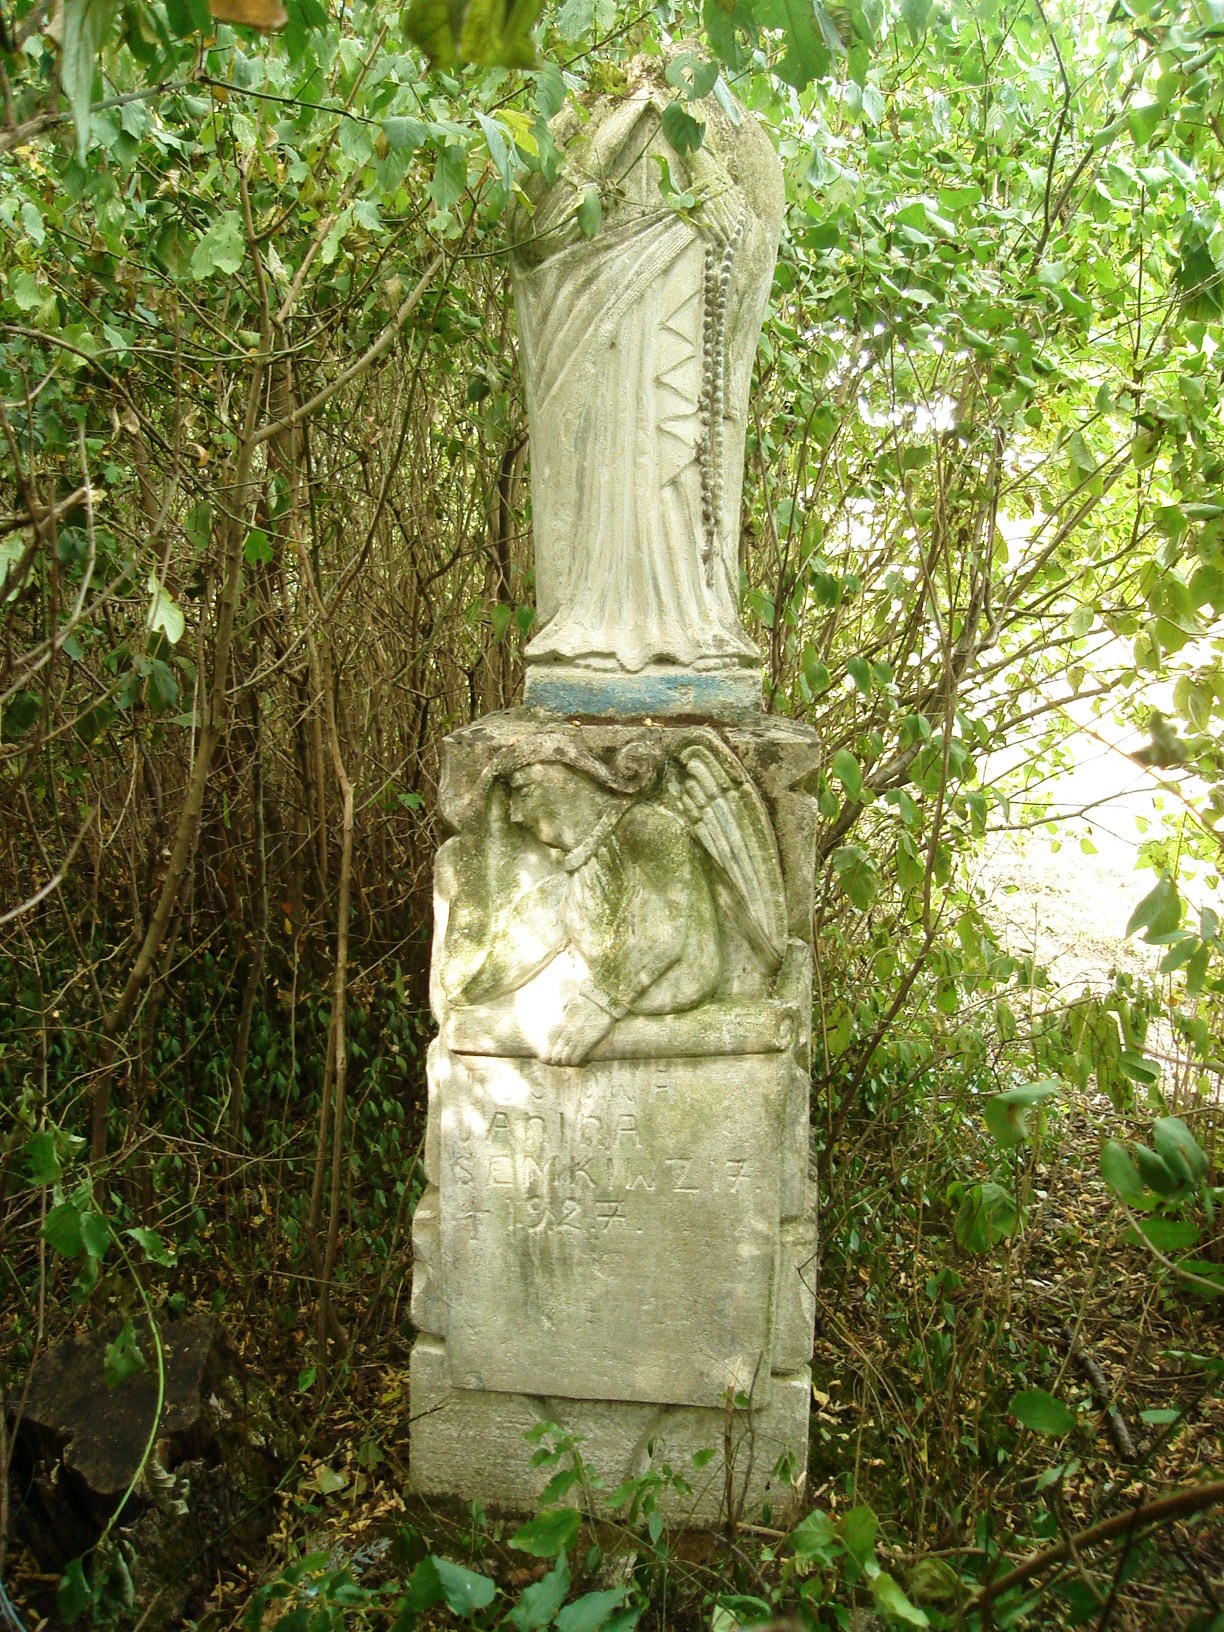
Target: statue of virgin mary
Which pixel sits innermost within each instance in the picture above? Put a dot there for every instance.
(637, 347)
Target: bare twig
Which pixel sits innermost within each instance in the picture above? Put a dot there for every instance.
(1179, 1505)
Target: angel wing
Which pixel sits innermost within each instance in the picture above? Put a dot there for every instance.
(730, 820)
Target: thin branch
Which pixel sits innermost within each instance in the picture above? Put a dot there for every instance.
(1180, 1505)
(52, 884)
(354, 370)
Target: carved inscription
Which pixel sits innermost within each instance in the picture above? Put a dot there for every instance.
(590, 1218)
(584, 1188)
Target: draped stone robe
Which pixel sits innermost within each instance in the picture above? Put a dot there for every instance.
(637, 348)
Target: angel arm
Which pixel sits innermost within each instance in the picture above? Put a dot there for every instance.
(526, 935)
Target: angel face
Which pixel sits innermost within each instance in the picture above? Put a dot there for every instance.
(555, 802)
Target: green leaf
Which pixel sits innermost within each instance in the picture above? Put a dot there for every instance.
(624, 1620)
(859, 671)
(465, 1592)
(934, 1581)
(987, 1215)
(846, 769)
(197, 524)
(1159, 913)
(1138, 1068)
(74, 1595)
(916, 15)
(815, 1537)
(678, 200)
(188, 17)
(808, 53)
(890, 1597)
(911, 868)
(12, 550)
(1155, 1172)
(1143, 122)
(95, 1235)
(1165, 1234)
(121, 1357)
(25, 292)
(684, 133)
(590, 213)
(549, 1532)
(429, 26)
(62, 1229)
(403, 133)
(165, 614)
(1041, 1412)
(723, 22)
(94, 721)
(583, 19)
(541, 1601)
(152, 1245)
(500, 147)
(590, 1612)
(551, 90)
(860, 1527)
(559, 1486)
(450, 176)
(424, 1588)
(1006, 1114)
(1120, 1173)
(221, 249)
(737, 1610)
(42, 1158)
(817, 675)
(856, 874)
(491, 33)
(693, 75)
(161, 688)
(86, 25)
(1179, 1148)
(257, 549)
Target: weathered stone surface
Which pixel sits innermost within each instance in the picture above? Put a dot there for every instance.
(589, 888)
(637, 349)
(428, 1304)
(470, 1444)
(780, 757)
(794, 1318)
(618, 1231)
(589, 1218)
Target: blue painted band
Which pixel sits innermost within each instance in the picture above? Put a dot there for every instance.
(725, 693)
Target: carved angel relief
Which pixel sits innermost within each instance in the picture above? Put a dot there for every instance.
(624, 910)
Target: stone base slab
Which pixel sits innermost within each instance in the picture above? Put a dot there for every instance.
(470, 1443)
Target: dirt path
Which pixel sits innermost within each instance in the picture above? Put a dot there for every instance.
(1066, 906)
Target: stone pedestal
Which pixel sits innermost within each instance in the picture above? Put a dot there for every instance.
(618, 1233)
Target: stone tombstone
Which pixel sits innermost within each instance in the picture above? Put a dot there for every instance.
(618, 1229)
